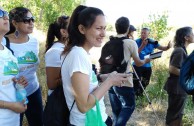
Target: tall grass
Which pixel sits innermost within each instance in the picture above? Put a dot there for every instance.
(158, 95)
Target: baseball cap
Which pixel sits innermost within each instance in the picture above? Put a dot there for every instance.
(132, 28)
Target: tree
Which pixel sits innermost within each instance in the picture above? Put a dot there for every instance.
(158, 25)
(45, 11)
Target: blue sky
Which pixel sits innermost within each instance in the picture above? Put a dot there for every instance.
(181, 13)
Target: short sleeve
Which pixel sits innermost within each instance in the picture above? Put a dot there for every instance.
(138, 42)
(132, 47)
(177, 58)
(79, 62)
(53, 58)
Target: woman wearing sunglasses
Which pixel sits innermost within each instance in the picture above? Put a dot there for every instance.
(26, 49)
(9, 108)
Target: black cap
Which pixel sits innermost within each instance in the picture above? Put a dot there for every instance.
(132, 28)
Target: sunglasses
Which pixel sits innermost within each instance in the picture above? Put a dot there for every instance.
(3, 14)
(28, 20)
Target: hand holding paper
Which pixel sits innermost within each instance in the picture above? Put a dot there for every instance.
(154, 55)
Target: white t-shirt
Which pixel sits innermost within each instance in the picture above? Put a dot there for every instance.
(130, 49)
(28, 61)
(53, 57)
(8, 70)
(78, 60)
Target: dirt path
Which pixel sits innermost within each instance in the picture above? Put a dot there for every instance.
(143, 116)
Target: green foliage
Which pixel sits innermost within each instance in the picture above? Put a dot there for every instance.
(159, 76)
(158, 25)
(109, 27)
(45, 11)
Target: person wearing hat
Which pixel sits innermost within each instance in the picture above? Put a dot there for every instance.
(131, 32)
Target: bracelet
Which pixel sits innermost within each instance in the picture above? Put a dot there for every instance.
(3, 104)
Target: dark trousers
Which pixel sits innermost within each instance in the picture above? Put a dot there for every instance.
(176, 104)
(144, 74)
(122, 101)
(34, 112)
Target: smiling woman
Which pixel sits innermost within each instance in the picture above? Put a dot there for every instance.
(9, 108)
(26, 48)
(86, 30)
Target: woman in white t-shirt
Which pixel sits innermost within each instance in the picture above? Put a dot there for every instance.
(9, 107)
(26, 49)
(58, 30)
(86, 30)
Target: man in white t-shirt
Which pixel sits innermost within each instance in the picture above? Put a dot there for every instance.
(122, 99)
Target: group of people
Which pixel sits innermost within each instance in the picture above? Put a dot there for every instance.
(19, 59)
(67, 59)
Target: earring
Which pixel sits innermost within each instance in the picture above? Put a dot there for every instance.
(16, 33)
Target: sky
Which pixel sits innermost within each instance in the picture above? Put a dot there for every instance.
(180, 12)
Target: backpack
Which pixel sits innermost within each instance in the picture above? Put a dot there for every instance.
(56, 111)
(112, 56)
(8, 45)
(186, 78)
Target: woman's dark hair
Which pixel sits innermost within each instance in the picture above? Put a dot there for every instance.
(179, 39)
(131, 29)
(54, 30)
(17, 14)
(85, 16)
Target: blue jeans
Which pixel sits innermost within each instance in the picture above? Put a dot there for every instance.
(34, 112)
(122, 101)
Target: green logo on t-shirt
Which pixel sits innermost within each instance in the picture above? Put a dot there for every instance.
(11, 68)
(28, 58)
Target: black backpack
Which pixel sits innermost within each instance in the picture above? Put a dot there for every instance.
(56, 112)
(186, 78)
(112, 56)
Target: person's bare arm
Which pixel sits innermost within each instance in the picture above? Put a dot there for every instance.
(139, 62)
(14, 106)
(174, 70)
(53, 77)
(84, 99)
(164, 48)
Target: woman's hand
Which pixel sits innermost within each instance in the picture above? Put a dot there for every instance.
(18, 107)
(169, 45)
(22, 80)
(117, 79)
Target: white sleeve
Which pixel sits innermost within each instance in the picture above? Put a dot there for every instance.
(134, 49)
(130, 48)
(79, 63)
(53, 58)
